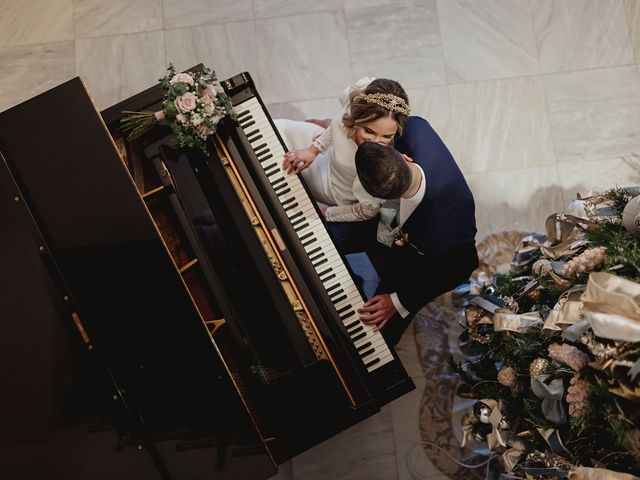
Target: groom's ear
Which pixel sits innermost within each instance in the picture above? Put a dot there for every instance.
(407, 158)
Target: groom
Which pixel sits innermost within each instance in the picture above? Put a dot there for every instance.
(425, 245)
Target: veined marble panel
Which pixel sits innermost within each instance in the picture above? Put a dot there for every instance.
(376, 3)
(33, 69)
(281, 8)
(303, 57)
(363, 452)
(178, 13)
(25, 22)
(399, 42)
(580, 34)
(598, 176)
(228, 49)
(595, 114)
(302, 110)
(94, 18)
(117, 67)
(487, 40)
(518, 199)
(433, 105)
(500, 125)
(632, 8)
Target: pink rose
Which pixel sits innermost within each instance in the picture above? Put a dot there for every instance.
(209, 92)
(185, 103)
(203, 131)
(207, 106)
(181, 78)
(180, 118)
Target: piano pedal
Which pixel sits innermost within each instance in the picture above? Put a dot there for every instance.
(266, 374)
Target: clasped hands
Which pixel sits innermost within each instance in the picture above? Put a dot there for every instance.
(297, 160)
(377, 311)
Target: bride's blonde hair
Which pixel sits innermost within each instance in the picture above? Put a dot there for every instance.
(365, 106)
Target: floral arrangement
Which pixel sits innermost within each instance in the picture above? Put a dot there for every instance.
(552, 349)
(193, 105)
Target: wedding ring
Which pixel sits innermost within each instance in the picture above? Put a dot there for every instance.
(301, 163)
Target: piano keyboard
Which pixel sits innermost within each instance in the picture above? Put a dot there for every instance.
(304, 218)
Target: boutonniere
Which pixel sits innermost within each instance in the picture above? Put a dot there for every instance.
(401, 239)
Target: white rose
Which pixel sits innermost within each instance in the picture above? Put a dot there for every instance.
(185, 103)
(196, 119)
(180, 118)
(218, 88)
(181, 77)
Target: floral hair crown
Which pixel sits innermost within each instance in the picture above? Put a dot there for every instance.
(388, 101)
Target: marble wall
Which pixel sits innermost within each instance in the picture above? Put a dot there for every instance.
(537, 99)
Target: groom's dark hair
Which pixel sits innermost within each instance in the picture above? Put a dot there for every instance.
(382, 170)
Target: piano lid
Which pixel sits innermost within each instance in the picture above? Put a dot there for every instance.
(118, 293)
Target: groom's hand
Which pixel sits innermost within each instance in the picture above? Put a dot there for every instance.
(377, 311)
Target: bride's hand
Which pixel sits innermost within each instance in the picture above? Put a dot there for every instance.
(298, 160)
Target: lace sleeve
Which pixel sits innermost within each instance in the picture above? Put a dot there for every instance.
(356, 212)
(322, 141)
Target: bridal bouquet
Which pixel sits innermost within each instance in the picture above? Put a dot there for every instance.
(193, 105)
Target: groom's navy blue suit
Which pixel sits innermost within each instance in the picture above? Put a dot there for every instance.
(441, 252)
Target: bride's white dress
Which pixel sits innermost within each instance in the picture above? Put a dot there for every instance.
(332, 177)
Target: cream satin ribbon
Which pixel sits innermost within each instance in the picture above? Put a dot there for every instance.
(612, 307)
(494, 439)
(586, 473)
(505, 319)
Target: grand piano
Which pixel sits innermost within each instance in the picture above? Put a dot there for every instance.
(168, 313)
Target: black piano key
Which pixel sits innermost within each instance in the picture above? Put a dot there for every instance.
(277, 182)
(283, 192)
(267, 157)
(355, 330)
(324, 260)
(347, 315)
(280, 186)
(301, 227)
(253, 132)
(326, 271)
(345, 308)
(339, 299)
(310, 241)
(270, 166)
(307, 235)
(247, 124)
(253, 139)
(244, 114)
(289, 207)
(372, 362)
(297, 219)
(295, 216)
(327, 278)
(368, 352)
(273, 172)
(363, 346)
(317, 249)
(288, 200)
(316, 257)
(260, 147)
(352, 324)
(336, 293)
(335, 285)
(359, 336)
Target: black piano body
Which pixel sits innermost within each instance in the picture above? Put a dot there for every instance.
(201, 340)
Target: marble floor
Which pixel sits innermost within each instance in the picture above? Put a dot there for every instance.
(537, 100)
